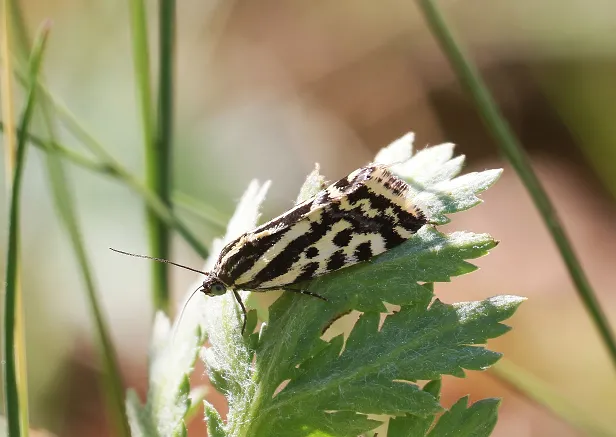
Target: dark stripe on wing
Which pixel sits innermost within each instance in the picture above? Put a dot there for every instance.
(288, 218)
(336, 261)
(282, 262)
(363, 251)
(249, 254)
(343, 238)
(246, 257)
(307, 271)
(382, 223)
(353, 190)
(290, 254)
(348, 184)
(312, 252)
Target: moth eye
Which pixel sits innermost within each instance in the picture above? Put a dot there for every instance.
(217, 289)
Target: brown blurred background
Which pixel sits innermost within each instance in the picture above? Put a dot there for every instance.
(266, 89)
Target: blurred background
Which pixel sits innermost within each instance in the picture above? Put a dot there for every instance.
(266, 89)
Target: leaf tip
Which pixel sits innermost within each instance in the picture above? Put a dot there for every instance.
(511, 301)
(46, 25)
(492, 176)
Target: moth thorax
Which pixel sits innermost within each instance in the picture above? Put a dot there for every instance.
(212, 286)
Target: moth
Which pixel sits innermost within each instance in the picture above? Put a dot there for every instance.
(352, 220)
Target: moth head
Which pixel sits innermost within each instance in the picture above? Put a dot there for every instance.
(212, 286)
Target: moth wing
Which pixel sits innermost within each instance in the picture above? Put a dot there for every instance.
(352, 220)
(241, 254)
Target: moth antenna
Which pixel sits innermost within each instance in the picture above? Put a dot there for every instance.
(177, 324)
(166, 261)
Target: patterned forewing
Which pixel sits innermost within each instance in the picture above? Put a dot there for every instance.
(352, 220)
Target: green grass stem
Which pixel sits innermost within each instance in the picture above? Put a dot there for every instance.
(12, 394)
(156, 159)
(10, 146)
(63, 200)
(210, 215)
(108, 161)
(158, 154)
(112, 384)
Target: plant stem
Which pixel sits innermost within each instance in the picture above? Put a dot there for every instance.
(63, 200)
(512, 150)
(112, 385)
(151, 199)
(155, 162)
(8, 31)
(180, 200)
(159, 156)
(108, 161)
(211, 215)
(12, 394)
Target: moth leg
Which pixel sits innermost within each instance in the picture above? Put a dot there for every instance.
(309, 293)
(239, 300)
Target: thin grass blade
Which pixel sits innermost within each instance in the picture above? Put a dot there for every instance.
(63, 200)
(156, 165)
(12, 390)
(158, 153)
(113, 166)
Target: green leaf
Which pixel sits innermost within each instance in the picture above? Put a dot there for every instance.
(141, 424)
(229, 359)
(431, 175)
(454, 195)
(215, 427)
(409, 426)
(173, 353)
(478, 420)
(413, 426)
(373, 372)
(325, 424)
(397, 153)
(315, 182)
(392, 277)
(286, 380)
(196, 396)
(512, 149)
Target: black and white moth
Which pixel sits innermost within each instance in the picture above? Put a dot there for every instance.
(360, 216)
(352, 220)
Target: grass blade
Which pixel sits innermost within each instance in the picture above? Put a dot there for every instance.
(514, 153)
(12, 394)
(7, 90)
(212, 216)
(141, 57)
(112, 385)
(150, 198)
(8, 32)
(156, 165)
(158, 153)
(112, 165)
(181, 200)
